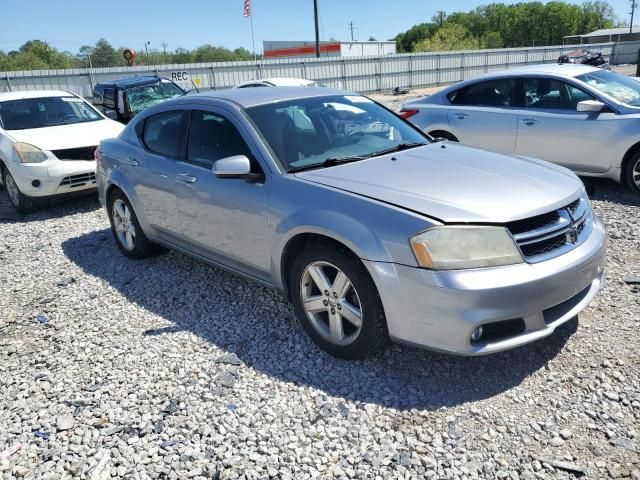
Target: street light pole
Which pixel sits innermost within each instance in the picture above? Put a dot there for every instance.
(315, 14)
(146, 51)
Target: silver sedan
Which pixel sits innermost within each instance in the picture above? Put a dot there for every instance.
(581, 117)
(370, 229)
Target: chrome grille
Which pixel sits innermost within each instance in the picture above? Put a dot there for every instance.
(551, 234)
(81, 180)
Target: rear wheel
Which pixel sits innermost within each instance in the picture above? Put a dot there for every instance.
(632, 173)
(337, 302)
(21, 202)
(126, 228)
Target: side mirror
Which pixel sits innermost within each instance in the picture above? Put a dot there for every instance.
(237, 166)
(590, 106)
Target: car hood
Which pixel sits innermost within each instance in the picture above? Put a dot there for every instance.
(68, 136)
(456, 183)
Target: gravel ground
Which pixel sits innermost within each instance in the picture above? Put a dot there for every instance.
(168, 368)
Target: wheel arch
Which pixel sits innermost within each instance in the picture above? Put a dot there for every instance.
(444, 134)
(297, 243)
(628, 156)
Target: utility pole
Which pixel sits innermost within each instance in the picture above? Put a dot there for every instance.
(146, 51)
(315, 14)
(351, 28)
(164, 51)
(633, 8)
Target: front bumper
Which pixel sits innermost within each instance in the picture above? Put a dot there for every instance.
(439, 310)
(55, 177)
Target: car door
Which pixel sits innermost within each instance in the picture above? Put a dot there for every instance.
(224, 219)
(483, 114)
(151, 168)
(551, 128)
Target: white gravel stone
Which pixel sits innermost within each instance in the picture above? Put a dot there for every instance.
(170, 368)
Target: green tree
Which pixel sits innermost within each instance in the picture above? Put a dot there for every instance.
(450, 37)
(405, 41)
(104, 55)
(491, 40)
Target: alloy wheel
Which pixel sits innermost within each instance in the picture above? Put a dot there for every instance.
(12, 190)
(331, 303)
(123, 224)
(635, 173)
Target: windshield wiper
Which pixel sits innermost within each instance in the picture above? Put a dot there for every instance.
(329, 162)
(398, 148)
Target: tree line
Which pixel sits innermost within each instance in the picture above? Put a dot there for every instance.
(497, 25)
(39, 55)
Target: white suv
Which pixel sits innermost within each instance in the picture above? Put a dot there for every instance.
(47, 144)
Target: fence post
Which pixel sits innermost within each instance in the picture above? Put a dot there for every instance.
(379, 74)
(462, 66)
(410, 71)
(8, 82)
(486, 62)
(213, 78)
(344, 74)
(304, 70)
(439, 76)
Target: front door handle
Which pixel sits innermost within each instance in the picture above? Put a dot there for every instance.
(460, 116)
(529, 121)
(131, 161)
(186, 178)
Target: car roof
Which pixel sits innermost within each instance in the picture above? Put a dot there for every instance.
(563, 70)
(131, 81)
(250, 97)
(21, 94)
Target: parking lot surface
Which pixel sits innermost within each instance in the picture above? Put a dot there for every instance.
(168, 368)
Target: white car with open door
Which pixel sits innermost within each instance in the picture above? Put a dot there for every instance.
(47, 144)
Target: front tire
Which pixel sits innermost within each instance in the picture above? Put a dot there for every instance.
(126, 229)
(337, 302)
(632, 173)
(21, 202)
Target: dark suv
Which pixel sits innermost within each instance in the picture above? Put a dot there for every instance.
(123, 99)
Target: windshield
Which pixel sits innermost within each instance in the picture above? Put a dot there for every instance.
(623, 89)
(45, 112)
(307, 132)
(144, 96)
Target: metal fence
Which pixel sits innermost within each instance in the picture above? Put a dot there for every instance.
(362, 74)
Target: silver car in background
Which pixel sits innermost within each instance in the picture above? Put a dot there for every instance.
(581, 117)
(369, 228)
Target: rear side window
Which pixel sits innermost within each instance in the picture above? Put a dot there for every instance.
(492, 93)
(212, 137)
(109, 98)
(162, 133)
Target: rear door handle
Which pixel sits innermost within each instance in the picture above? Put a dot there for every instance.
(529, 121)
(131, 161)
(460, 116)
(186, 178)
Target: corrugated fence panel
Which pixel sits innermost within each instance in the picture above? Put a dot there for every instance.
(364, 74)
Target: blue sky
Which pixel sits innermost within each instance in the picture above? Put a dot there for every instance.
(69, 24)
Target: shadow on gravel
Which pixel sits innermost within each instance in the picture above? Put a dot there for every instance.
(609, 191)
(256, 323)
(50, 208)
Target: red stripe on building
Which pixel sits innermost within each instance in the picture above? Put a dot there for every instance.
(306, 50)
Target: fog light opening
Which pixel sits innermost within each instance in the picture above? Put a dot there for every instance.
(35, 183)
(476, 335)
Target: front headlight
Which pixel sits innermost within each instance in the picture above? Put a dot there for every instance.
(29, 153)
(458, 247)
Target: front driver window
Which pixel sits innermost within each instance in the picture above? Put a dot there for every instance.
(548, 94)
(212, 137)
